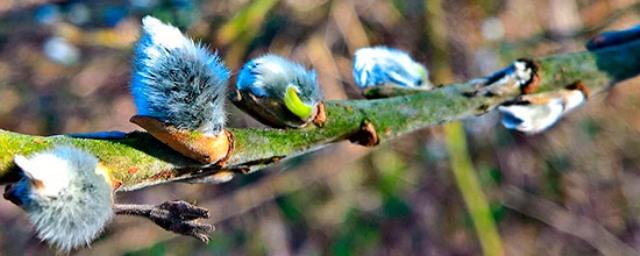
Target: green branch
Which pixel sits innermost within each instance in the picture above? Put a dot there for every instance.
(138, 160)
(471, 191)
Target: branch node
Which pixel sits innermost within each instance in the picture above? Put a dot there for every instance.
(321, 115)
(366, 135)
(579, 85)
(532, 84)
(207, 149)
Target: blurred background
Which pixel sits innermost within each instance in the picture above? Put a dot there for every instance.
(64, 68)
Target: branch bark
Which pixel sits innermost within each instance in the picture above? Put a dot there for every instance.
(137, 160)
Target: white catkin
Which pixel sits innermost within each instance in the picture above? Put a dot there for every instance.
(381, 65)
(270, 75)
(536, 118)
(74, 201)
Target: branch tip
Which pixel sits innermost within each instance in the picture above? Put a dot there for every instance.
(179, 217)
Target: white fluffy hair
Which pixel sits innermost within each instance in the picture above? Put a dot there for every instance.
(270, 75)
(66, 195)
(535, 118)
(381, 65)
(177, 80)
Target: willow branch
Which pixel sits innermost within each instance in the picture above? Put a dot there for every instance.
(137, 160)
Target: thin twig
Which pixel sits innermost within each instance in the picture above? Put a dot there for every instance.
(176, 216)
(565, 221)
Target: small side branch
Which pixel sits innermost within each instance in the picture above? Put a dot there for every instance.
(179, 217)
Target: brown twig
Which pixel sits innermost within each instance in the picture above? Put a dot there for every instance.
(179, 217)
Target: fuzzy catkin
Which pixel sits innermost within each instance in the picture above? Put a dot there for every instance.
(73, 201)
(178, 81)
(534, 118)
(381, 65)
(270, 75)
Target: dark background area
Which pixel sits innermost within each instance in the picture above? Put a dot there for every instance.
(64, 68)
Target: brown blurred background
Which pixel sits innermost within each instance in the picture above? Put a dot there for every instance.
(64, 68)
